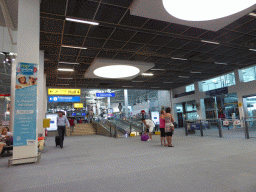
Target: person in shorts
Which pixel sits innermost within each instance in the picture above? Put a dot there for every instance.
(169, 127)
(150, 126)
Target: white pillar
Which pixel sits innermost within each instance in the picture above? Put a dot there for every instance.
(28, 52)
(41, 91)
(126, 102)
(238, 78)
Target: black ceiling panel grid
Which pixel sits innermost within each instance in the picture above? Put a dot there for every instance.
(61, 41)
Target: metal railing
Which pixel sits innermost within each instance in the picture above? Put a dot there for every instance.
(202, 125)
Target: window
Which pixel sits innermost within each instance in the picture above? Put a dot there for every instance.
(190, 88)
(219, 82)
(248, 74)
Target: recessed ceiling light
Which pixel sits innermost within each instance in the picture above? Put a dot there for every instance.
(137, 81)
(158, 69)
(252, 14)
(147, 74)
(195, 72)
(211, 42)
(168, 82)
(186, 77)
(220, 63)
(73, 47)
(65, 77)
(179, 58)
(63, 69)
(201, 10)
(81, 21)
(116, 71)
(252, 49)
(70, 63)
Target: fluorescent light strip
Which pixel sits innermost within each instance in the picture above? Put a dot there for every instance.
(252, 49)
(65, 78)
(62, 69)
(73, 47)
(137, 81)
(179, 58)
(186, 77)
(252, 14)
(220, 63)
(212, 42)
(127, 86)
(168, 82)
(158, 69)
(70, 63)
(195, 72)
(81, 21)
(147, 74)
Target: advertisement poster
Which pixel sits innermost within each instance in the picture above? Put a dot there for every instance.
(53, 122)
(155, 117)
(25, 105)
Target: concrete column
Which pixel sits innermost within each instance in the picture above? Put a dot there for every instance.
(41, 96)
(126, 102)
(109, 90)
(28, 52)
(238, 78)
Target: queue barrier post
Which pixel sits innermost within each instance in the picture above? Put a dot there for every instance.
(246, 129)
(219, 127)
(201, 129)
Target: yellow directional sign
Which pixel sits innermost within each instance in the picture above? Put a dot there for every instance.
(78, 105)
(64, 91)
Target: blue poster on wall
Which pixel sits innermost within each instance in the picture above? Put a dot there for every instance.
(25, 105)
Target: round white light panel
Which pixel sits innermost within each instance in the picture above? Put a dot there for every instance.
(116, 71)
(203, 10)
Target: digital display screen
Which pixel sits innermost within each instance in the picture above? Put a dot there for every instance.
(73, 114)
(83, 114)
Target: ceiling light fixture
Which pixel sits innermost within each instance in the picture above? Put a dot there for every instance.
(252, 49)
(147, 74)
(63, 69)
(211, 42)
(65, 77)
(168, 82)
(70, 63)
(186, 77)
(195, 72)
(73, 47)
(158, 69)
(137, 81)
(81, 21)
(252, 14)
(201, 10)
(179, 58)
(116, 71)
(127, 86)
(220, 63)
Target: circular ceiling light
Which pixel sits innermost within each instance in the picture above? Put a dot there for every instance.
(116, 71)
(202, 10)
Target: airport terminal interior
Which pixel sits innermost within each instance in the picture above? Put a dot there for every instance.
(79, 77)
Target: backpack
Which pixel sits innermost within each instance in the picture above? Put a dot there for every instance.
(144, 137)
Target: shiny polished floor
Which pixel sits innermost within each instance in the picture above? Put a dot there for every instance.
(103, 164)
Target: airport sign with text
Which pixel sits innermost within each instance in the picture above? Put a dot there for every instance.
(52, 91)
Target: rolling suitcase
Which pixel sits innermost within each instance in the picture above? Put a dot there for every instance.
(57, 140)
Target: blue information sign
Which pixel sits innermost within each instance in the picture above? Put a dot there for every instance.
(64, 99)
(105, 94)
(25, 105)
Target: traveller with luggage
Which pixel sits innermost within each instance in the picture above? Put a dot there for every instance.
(62, 122)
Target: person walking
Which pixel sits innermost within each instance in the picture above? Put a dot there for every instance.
(162, 128)
(62, 121)
(169, 128)
(72, 125)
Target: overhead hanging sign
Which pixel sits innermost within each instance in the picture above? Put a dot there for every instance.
(64, 98)
(25, 105)
(216, 92)
(105, 94)
(78, 105)
(52, 91)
